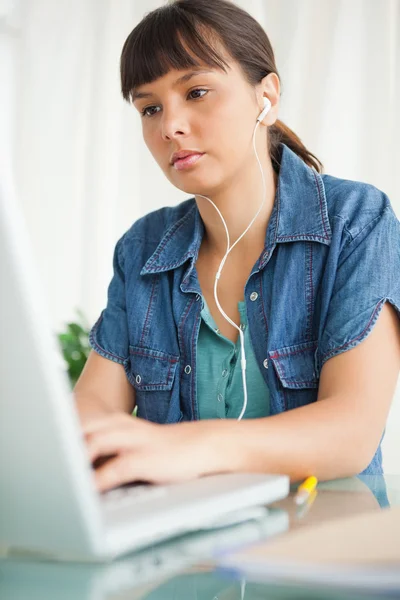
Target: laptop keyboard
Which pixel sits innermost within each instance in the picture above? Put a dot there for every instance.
(132, 494)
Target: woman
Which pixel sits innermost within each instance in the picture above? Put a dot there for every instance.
(311, 291)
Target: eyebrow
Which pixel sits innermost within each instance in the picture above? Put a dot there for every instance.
(179, 81)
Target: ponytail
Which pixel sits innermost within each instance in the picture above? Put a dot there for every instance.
(280, 133)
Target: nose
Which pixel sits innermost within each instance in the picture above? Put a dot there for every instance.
(173, 125)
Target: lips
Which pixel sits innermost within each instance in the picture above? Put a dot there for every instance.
(183, 154)
(187, 162)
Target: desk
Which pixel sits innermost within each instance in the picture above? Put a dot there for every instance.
(183, 568)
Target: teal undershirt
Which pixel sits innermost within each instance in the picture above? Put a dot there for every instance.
(219, 376)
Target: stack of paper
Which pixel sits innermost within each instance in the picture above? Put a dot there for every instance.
(358, 551)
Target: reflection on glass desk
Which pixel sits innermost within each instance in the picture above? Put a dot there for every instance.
(184, 566)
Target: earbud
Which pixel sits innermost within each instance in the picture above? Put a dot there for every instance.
(267, 106)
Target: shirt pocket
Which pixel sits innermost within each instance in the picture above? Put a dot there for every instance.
(295, 370)
(152, 374)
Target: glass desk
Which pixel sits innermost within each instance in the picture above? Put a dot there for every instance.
(184, 567)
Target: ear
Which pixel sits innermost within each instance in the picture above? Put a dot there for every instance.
(270, 87)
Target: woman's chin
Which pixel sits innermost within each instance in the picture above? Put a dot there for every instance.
(195, 184)
(197, 189)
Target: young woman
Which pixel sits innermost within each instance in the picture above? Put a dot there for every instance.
(311, 292)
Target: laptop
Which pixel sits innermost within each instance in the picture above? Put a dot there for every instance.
(50, 507)
(140, 571)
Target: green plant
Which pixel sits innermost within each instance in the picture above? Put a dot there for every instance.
(75, 346)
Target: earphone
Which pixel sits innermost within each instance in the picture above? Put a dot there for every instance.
(267, 106)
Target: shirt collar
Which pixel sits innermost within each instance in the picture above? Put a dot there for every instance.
(299, 213)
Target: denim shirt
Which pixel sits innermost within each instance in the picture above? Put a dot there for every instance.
(330, 261)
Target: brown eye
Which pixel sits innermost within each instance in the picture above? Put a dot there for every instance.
(148, 108)
(198, 90)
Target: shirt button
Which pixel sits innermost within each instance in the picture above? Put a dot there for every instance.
(242, 326)
(138, 379)
(188, 369)
(253, 296)
(224, 373)
(265, 363)
(220, 397)
(198, 297)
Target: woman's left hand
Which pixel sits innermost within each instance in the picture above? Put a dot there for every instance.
(145, 451)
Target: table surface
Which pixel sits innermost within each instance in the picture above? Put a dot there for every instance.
(183, 568)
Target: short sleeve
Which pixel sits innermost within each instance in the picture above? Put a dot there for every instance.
(109, 335)
(367, 275)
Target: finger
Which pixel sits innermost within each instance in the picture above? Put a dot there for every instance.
(111, 441)
(117, 471)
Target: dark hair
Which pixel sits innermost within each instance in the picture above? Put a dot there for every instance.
(161, 40)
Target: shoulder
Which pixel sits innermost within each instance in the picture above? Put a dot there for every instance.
(355, 203)
(151, 228)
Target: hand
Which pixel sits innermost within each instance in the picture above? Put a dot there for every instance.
(145, 451)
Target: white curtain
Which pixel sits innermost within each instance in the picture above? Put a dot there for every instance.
(82, 170)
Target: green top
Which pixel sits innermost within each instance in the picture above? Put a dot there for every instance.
(219, 375)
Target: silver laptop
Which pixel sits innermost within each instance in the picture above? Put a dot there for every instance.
(134, 575)
(49, 505)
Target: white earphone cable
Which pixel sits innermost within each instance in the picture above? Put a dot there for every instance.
(229, 249)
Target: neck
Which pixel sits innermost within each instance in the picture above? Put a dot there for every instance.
(238, 202)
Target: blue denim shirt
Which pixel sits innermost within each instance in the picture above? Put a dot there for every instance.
(331, 259)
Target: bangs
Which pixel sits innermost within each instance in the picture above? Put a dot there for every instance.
(161, 42)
